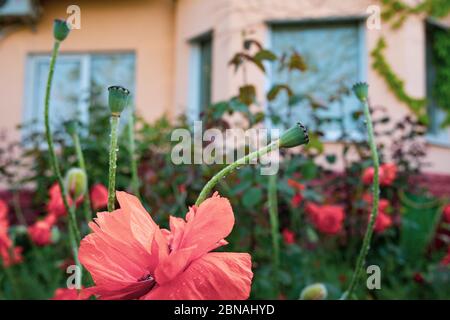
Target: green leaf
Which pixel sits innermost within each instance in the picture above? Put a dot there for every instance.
(265, 55)
(252, 197)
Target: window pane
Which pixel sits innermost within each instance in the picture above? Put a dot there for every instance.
(108, 70)
(436, 115)
(205, 73)
(65, 94)
(332, 54)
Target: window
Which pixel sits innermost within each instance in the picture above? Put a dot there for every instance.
(79, 81)
(436, 134)
(200, 75)
(334, 53)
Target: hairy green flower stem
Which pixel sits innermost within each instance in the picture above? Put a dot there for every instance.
(115, 116)
(132, 151)
(373, 215)
(230, 168)
(73, 229)
(82, 165)
(274, 224)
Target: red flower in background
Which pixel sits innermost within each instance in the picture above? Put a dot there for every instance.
(56, 203)
(327, 218)
(446, 260)
(130, 257)
(99, 196)
(40, 233)
(446, 214)
(387, 174)
(66, 294)
(296, 200)
(383, 220)
(297, 186)
(9, 254)
(288, 236)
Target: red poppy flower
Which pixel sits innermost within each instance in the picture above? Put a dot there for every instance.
(382, 222)
(418, 278)
(40, 233)
(56, 203)
(9, 254)
(66, 294)
(387, 174)
(4, 224)
(446, 214)
(288, 236)
(296, 200)
(297, 186)
(130, 257)
(446, 260)
(99, 196)
(327, 218)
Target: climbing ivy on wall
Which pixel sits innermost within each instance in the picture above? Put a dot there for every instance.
(396, 12)
(395, 83)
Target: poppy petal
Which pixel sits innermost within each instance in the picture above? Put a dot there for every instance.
(215, 276)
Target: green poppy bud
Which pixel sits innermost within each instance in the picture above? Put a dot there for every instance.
(361, 90)
(76, 182)
(118, 99)
(60, 29)
(315, 291)
(295, 136)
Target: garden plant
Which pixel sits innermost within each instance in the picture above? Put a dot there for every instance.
(110, 216)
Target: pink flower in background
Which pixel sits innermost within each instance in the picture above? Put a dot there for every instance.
(367, 177)
(9, 254)
(382, 222)
(296, 200)
(99, 196)
(40, 233)
(326, 218)
(446, 260)
(56, 203)
(446, 214)
(387, 174)
(130, 257)
(288, 236)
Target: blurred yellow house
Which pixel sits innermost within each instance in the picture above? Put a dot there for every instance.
(173, 55)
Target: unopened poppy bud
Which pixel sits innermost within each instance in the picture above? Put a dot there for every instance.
(76, 182)
(295, 136)
(71, 127)
(361, 90)
(315, 291)
(118, 99)
(60, 29)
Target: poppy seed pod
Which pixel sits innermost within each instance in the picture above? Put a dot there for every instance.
(315, 291)
(60, 29)
(295, 136)
(76, 182)
(361, 90)
(118, 99)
